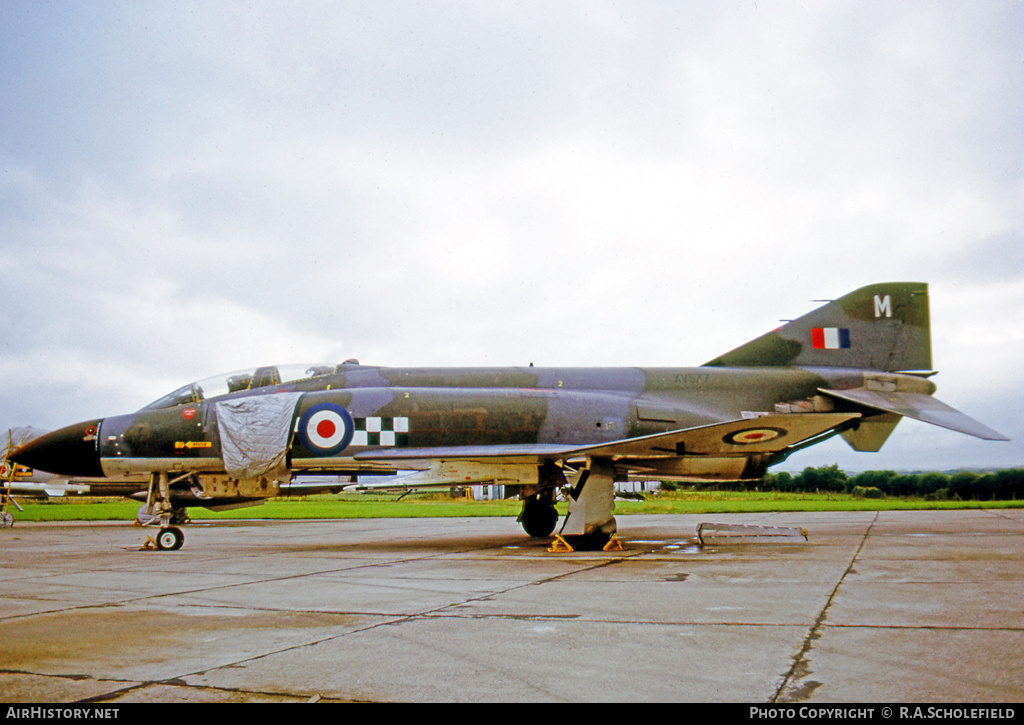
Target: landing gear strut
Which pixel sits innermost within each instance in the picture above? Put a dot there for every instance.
(590, 524)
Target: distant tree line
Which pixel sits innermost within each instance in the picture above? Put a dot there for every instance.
(1005, 485)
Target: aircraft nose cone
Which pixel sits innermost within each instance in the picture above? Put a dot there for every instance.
(71, 451)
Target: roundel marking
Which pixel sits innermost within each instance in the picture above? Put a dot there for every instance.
(750, 436)
(326, 429)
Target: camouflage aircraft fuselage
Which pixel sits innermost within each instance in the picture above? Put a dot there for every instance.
(457, 408)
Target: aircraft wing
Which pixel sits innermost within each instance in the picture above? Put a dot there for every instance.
(765, 434)
(919, 407)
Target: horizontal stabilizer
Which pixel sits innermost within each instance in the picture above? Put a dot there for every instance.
(918, 406)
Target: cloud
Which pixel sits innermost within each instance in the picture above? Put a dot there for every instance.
(191, 188)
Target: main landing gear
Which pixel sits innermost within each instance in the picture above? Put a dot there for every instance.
(589, 525)
(539, 517)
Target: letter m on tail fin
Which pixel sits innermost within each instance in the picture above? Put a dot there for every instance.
(879, 327)
(883, 306)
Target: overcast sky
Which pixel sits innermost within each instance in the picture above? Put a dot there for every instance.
(192, 188)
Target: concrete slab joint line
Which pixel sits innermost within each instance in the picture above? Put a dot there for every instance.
(900, 606)
(800, 668)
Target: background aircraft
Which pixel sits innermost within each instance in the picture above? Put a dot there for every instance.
(852, 367)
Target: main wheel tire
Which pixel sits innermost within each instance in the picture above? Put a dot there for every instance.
(170, 539)
(538, 518)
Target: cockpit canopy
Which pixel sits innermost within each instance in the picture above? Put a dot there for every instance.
(252, 379)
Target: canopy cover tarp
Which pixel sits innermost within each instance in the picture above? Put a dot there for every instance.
(254, 433)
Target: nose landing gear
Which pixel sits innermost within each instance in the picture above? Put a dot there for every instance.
(158, 508)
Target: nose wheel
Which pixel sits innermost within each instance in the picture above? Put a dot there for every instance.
(170, 538)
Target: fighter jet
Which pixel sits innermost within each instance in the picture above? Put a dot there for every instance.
(852, 367)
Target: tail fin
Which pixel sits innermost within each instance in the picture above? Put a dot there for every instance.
(879, 327)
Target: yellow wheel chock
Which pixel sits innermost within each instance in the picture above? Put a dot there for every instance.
(560, 546)
(613, 544)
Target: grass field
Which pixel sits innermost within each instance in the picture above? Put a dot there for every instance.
(355, 506)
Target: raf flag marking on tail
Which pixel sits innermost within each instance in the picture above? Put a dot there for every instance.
(830, 338)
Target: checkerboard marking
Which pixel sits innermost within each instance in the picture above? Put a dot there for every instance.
(376, 431)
